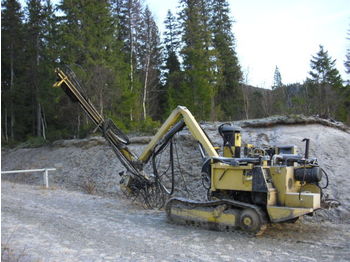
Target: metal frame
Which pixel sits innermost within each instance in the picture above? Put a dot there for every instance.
(45, 175)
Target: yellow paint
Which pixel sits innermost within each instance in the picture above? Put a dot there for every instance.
(288, 189)
(228, 151)
(238, 139)
(278, 213)
(272, 197)
(226, 177)
(310, 188)
(205, 216)
(306, 200)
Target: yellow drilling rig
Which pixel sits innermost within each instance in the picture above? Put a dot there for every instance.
(248, 187)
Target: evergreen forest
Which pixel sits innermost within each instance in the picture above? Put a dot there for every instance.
(135, 76)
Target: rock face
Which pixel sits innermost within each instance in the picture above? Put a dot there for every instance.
(90, 165)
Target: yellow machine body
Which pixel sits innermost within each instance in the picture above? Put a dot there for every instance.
(286, 197)
(226, 177)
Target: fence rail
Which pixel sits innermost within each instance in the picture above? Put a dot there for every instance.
(45, 175)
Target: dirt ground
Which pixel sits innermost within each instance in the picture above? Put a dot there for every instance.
(59, 225)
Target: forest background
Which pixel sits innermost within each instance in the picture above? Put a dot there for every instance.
(136, 77)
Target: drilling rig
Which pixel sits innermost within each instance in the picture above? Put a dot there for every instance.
(248, 186)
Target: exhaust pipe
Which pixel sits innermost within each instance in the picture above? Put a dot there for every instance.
(307, 142)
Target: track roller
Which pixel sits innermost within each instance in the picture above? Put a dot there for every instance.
(250, 221)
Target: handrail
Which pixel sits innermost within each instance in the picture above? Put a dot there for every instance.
(45, 170)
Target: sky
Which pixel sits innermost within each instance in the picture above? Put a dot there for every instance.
(283, 33)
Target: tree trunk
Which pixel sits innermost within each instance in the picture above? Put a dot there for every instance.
(101, 101)
(213, 115)
(43, 122)
(5, 131)
(131, 85)
(36, 81)
(38, 120)
(12, 113)
(285, 99)
(131, 65)
(145, 88)
(319, 102)
(307, 104)
(44, 130)
(245, 102)
(265, 104)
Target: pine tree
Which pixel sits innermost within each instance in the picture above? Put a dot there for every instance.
(11, 63)
(171, 45)
(228, 73)
(343, 113)
(172, 34)
(323, 70)
(89, 42)
(326, 81)
(150, 60)
(72, 54)
(49, 97)
(277, 79)
(347, 61)
(87, 31)
(130, 32)
(197, 91)
(34, 48)
(172, 79)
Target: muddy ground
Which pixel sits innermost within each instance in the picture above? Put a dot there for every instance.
(65, 223)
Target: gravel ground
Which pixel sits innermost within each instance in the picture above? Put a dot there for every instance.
(63, 224)
(58, 225)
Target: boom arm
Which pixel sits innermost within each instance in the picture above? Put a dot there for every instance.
(113, 135)
(195, 129)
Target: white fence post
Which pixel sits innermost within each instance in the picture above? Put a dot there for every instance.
(46, 178)
(45, 175)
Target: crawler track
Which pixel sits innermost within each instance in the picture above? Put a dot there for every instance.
(228, 207)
